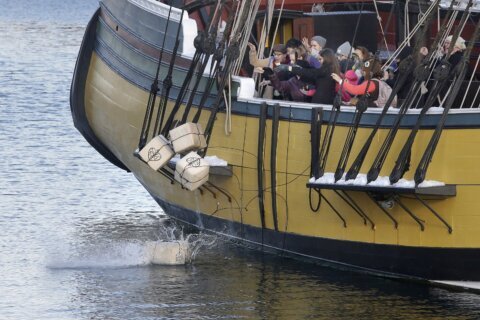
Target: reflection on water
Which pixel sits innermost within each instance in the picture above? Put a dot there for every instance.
(73, 227)
(233, 281)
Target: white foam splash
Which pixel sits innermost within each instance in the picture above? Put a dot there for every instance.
(132, 253)
(190, 244)
(112, 255)
(172, 248)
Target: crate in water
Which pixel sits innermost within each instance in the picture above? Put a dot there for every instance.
(168, 252)
(157, 152)
(191, 171)
(188, 136)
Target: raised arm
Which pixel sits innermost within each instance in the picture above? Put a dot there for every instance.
(254, 61)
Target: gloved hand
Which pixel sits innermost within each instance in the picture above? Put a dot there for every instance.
(296, 67)
(267, 73)
(281, 68)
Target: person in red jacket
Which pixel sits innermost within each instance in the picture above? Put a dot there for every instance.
(368, 89)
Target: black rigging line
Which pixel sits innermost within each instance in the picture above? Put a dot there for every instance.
(153, 93)
(315, 135)
(273, 162)
(181, 95)
(441, 74)
(232, 54)
(209, 49)
(361, 107)
(460, 71)
(260, 166)
(215, 66)
(406, 68)
(199, 42)
(421, 74)
(335, 112)
(167, 82)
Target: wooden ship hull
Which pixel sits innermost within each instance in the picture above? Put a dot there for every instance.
(266, 195)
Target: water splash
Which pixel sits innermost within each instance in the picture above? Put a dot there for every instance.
(170, 240)
(111, 255)
(173, 241)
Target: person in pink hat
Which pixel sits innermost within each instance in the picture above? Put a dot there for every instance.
(352, 78)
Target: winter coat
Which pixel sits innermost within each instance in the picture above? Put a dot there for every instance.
(289, 88)
(322, 78)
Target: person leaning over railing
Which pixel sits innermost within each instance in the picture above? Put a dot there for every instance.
(294, 89)
(325, 85)
(279, 57)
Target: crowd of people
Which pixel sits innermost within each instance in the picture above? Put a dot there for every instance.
(309, 71)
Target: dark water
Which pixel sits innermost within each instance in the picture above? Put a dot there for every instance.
(73, 227)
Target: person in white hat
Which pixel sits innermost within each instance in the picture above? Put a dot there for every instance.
(457, 51)
(456, 54)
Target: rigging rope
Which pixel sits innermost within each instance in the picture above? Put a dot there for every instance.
(208, 49)
(361, 107)
(335, 112)
(470, 82)
(441, 75)
(407, 22)
(380, 24)
(264, 36)
(421, 74)
(228, 108)
(232, 54)
(244, 34)
(216, 66)
(201, 45)
(153, 93)
(460, 71)
(167, 82)
(410, 35)
(406, 67)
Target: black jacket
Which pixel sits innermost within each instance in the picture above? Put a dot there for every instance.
(322, 77)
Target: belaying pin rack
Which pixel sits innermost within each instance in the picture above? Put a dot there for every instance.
(448, 190)
(375, 192)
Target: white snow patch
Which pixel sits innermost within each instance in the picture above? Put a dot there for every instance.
(215, 161)
(431, 183)
(327, 178)
(381, 181)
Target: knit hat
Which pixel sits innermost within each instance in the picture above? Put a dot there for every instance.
(460, 43)
(320, 40)
(345, 49)
(351, 76)
(280, 48)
